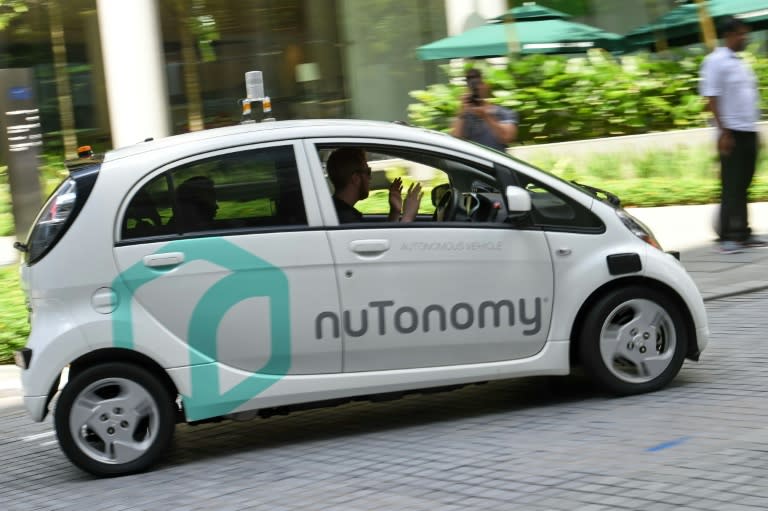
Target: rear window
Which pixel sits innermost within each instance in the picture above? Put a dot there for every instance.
(244, 190)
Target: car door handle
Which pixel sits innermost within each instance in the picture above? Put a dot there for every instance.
(167, 259)
(369, 247)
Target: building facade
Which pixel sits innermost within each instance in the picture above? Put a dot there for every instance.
(151, 68)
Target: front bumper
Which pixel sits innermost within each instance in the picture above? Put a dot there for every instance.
(702, 338)
(23, 358)
(37, 407)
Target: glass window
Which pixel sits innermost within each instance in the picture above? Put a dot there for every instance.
(555, 211)
(149, 210)
(385, 169)
(386, 165)
(245, 190)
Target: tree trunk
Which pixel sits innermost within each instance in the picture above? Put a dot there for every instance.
(63, 88)
(708, 35)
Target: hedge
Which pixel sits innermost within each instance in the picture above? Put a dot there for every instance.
(561, 99)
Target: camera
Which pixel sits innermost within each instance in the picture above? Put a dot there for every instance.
(474, 91)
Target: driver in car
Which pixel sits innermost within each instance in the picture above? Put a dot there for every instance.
(350, 175)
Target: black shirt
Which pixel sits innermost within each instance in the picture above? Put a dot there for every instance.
(345, 212)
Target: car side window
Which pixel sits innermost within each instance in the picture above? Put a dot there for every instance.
(386, 165)
(149, 211)
(386, 168)
(257, 188)
(556, 211)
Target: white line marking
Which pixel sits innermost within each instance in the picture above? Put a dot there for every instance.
(37, 437)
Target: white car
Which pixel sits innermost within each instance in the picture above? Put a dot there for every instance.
(511, 272)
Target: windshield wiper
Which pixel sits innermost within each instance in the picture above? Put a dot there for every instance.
(611, 198)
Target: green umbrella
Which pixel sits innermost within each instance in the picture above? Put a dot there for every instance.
(530, 11)
(681, 25)
(752, 12)
(536, 36)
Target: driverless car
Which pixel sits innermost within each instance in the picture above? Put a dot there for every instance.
(206, 276)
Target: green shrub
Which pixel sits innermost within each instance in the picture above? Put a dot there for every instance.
(682, 163)
(52, 172)
(14, 328)
(560, 99)
(6, 215)
(661, 178)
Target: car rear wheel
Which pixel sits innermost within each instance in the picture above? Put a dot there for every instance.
(634, 340)
(114, 419)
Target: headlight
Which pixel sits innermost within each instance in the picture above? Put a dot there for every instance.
(638, 228)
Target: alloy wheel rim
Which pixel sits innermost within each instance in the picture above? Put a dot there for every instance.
(114, 420)
(638, 341)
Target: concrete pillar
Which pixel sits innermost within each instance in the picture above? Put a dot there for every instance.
(134, 68)
(96, 61)
(461, 15)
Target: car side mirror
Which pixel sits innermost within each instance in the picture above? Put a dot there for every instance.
(518, 200)
(438, 192)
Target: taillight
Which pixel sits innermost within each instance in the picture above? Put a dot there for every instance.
(52, 220)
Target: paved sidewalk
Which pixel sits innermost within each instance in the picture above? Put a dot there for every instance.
(10, 385)
(689, 230)
(8, 254)
(684, 228)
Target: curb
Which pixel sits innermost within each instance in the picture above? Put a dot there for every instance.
(10, 381)
(10, 377)
(8, 255)
(740, 292)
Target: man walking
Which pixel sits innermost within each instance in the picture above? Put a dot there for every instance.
(730, 88)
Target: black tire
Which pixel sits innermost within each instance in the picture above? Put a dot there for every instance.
(114, 419)
(633, 340)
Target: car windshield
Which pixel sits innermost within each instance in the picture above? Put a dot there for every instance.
(597, 193)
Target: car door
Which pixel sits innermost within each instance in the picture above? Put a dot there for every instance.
(232, 290)
(429, 294)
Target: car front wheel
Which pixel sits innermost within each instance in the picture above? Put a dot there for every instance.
(634, 340)
(114, 419)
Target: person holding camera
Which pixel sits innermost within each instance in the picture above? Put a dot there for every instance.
(479, 121)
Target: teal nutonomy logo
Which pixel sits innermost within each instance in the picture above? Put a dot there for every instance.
(250, 277)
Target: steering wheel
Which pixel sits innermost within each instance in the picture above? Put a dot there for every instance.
(446, 208)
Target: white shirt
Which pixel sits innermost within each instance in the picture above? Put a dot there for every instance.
(728, 78)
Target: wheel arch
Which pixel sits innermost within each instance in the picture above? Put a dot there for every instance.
(126, 356)
(692, 350)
